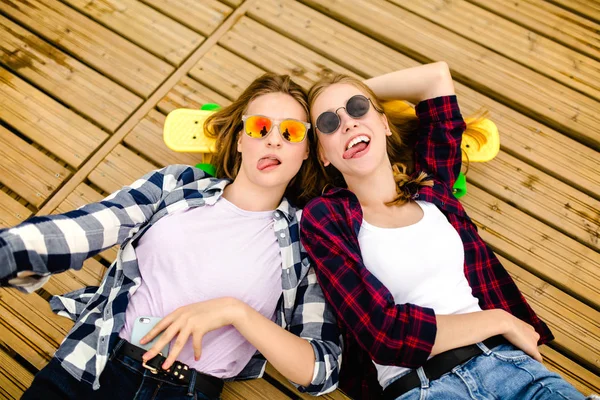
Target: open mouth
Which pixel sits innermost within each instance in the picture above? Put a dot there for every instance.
(268, 163)
(357, 147)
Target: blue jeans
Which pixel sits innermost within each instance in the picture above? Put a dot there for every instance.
(123, 378)
(502, 373)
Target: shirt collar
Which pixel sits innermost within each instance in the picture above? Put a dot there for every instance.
(285, 207)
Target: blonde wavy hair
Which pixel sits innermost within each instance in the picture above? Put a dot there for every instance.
(400, 145)
(226, 125)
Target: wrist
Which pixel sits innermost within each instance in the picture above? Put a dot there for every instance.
(503, 320)
(233, 310)
(237, 311)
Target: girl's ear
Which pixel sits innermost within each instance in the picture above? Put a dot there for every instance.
(386, 123)
(307, 153)
(239, 142)
(323, 157)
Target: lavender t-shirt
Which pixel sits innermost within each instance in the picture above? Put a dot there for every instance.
(204, 253)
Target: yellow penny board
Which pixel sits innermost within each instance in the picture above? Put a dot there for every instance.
(184, 131)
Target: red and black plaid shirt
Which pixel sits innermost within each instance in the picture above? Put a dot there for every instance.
(375, 328)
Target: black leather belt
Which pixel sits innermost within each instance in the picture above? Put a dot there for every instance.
(179, 372)
(439, 365)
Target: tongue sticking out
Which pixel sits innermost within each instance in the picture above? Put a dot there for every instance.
(265, 163)
(351, 152)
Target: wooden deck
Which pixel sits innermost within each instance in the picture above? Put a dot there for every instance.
(85, 86)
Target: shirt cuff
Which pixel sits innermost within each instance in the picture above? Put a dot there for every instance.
(326, 370)
(438, 109)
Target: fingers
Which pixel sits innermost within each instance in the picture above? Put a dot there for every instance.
(177, 347)
(165, 338)
(538, 356)
(197, 342)
(158, 328)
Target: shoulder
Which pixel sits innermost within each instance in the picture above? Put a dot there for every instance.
(337, 206)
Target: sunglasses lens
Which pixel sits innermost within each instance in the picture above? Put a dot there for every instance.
(357, 106)
(328, 122)
(257, 126)
(292, 131)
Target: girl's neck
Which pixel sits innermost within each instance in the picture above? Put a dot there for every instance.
(376, 189)
(250, 197)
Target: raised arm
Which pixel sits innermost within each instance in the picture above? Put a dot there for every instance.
(414, 84)
(45, 245)
(430, 87)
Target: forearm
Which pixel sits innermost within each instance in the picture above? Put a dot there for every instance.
(464, 329)
(289, 354)
(414, 84)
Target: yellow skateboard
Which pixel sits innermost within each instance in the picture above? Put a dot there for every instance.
(184, 132)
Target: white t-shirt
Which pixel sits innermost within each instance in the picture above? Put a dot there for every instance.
(421, 264)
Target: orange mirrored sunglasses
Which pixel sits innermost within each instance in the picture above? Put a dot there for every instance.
(259, 126)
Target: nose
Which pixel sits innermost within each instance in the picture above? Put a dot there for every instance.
(274, 138)
(346, 121)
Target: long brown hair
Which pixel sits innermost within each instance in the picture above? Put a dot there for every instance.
(226, 124)
(400, 145)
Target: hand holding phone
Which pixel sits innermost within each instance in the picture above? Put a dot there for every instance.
(141, 327)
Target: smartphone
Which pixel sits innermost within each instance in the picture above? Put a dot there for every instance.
(141, 327)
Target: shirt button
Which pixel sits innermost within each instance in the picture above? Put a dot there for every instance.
(282, 234)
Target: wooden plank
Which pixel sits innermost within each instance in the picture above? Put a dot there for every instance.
(144, 26)
(27, 171)
(553, 152)
(28, 326)
(273, 373)
(253, 389)
(90, 275)
(188, 93)
(64, 77)
(585, 381)
(97, 46)
(552, 256)
(574, 324)
(202, 16)
(233, 3)
(276, 53)
(46, 122)
(539, 53)
(83, 172)
(587, 8)
(549, 20)
(507, 81)
(224, 72)
(147, 138)
(120, 168)
(543, 197)
(11, 211)
(81, 196)
(14, 379)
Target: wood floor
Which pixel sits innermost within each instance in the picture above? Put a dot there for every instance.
(85, 86)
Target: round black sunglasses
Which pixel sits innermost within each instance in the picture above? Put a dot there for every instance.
(356, 106)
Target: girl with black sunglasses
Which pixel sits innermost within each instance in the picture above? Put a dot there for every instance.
(426, 308)
(217, 260)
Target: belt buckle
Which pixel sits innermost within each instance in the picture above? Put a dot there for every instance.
(148, 367)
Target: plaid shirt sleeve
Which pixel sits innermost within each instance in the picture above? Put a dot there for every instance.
(314, 320)
(437, 150)
(50, 244)
(401, 335)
